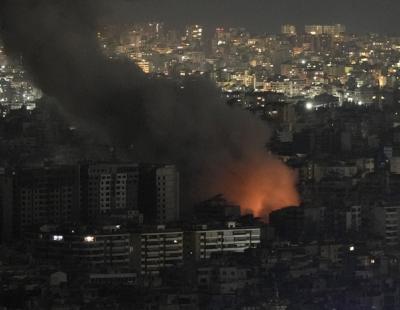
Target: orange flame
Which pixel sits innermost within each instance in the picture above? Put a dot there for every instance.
(260, 185)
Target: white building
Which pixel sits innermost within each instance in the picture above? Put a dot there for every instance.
(202, 242)
(156, 249)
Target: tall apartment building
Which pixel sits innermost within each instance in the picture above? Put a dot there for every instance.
(159, 193)
(194, 35)
(157, 248)
(108, 187)
(35, 196)
(202, 242)
(82, 193)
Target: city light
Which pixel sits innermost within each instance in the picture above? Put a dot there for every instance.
(309, 105)
(89, 239)
(58, 238)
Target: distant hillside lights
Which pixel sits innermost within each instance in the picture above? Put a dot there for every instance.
(144, 65)
(334, 30)
(289, 30)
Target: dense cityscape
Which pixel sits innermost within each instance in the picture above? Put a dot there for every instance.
(85, 225)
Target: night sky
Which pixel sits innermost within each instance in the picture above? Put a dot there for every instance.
(265, 15)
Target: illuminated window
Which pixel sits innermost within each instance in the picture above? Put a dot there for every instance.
(89, 239)
(58, 238)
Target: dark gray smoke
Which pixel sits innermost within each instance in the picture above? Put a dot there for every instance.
(164, 123)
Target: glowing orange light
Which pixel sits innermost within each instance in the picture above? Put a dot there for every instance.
(260, 185)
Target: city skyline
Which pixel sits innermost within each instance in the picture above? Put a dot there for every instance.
(261, 16)
(199, 155)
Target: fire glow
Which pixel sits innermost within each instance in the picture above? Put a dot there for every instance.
(261, 185)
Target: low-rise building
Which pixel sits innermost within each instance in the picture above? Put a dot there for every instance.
(82, 247)
(386, 223)
(156, 249)
(204, 241)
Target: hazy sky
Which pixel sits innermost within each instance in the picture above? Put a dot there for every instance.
(267, 15)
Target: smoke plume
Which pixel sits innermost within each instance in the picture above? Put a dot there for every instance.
(217, 148)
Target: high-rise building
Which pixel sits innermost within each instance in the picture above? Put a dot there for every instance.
(167, 194)
(159, 193)
(289, 30)
(194, 36)
(35, 196)
(108, 187)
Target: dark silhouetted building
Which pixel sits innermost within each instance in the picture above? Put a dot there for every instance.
(216, 209)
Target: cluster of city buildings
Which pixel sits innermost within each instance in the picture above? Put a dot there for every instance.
(70, 232)
(297, 62)
(108, 234)
(16, 90)
(85, 193)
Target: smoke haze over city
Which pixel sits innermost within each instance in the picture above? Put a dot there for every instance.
(161, 121)
(202, 155)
